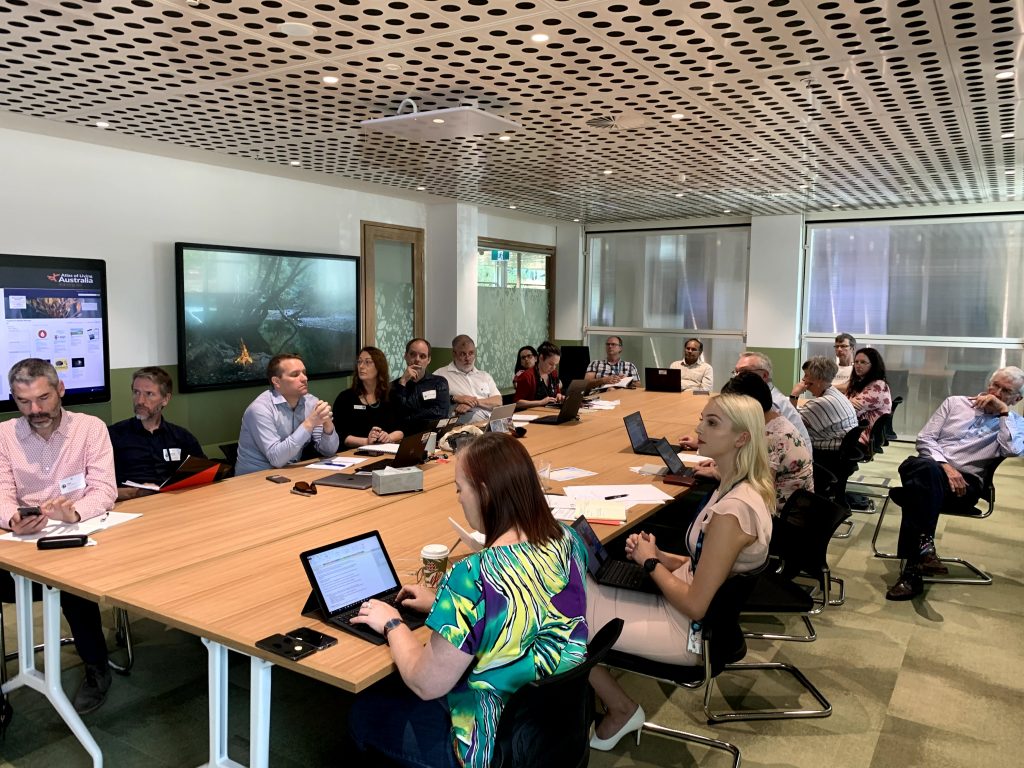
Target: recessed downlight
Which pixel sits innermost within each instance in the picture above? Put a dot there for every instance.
(512, 207)
(576, 221)
(679, 194)
(1005, 75)
(540, 37)
(1010, 172)
(295, 163)
(421, 189)
(331, 79)
(607, 173)
(295, 29)
(727, 210)
(1006, 135)
(504, 137)
(102, 124)
(678, 116)
(438, 120)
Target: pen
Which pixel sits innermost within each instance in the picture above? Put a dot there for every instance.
(616, 496)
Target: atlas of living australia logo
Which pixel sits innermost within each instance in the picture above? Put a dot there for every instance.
(71, 278)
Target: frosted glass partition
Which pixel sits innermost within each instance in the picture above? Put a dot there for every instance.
(939, 298)
(668, 280)
(508, 318)
(394, 301)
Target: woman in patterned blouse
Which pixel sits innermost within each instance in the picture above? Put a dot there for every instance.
(868, 391)
(504, 616)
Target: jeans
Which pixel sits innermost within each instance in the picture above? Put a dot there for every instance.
(391, 720)
(926, 492)
(83, 617)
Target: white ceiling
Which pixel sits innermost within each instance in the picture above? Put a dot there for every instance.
(697, 108)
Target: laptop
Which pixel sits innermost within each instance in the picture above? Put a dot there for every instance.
(638, 437)
(570, 406)
(623, 574)
(500, 419)
(357, 482)
(345, 574)
(409, 454)
(678, 473)
(663, 379)
(192, 472)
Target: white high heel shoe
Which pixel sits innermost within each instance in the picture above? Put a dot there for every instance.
(635, 723)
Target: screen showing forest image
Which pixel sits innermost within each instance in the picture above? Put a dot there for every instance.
(238, 307)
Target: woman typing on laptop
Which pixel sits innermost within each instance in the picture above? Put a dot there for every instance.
(730, 535)
(527, 583)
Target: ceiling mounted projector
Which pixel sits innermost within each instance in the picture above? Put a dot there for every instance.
(451, 123)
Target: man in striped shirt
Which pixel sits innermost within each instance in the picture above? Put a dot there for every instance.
(60, 465)
(961, 439)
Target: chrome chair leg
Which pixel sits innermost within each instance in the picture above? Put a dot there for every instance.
(694, 738)
(123, 638)
(824, 709)
(849, 524)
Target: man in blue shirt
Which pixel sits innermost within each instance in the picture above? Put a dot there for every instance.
(147, 447)
(281, 422)
(962, 438)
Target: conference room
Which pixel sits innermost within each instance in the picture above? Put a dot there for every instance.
(758, 177)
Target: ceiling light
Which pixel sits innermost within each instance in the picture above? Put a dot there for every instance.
(392, 67)
(102, 124)
(1010, 172)
(803, 186)
(295, 162)
(421, 189)
(678, 116)
(331, 79)
(679, 194)
(576, 220)
(540, 37)
(836, 205)
(727, 210)
(607, 173)
(504, 137)
(512, 207)
(295, 29)
(1006, 135)
(457, 122)
(1005, 75)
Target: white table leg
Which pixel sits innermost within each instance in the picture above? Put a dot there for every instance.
(259, 709)
(47, 682)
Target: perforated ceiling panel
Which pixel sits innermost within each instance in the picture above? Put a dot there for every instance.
(634, 110)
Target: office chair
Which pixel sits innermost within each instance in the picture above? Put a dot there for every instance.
(546, 723)
(988, 496)
(876, 444)
(724, 647)
(573, 364)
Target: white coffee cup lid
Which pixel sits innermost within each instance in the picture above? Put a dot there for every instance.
(434, 551)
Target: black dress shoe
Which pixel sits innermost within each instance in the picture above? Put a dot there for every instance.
(908, 587)
(93, 690)
(930, 565)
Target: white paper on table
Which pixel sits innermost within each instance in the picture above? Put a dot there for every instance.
(82, 528)
(692, 458)
(603, 405)
(559, 502)
(525, 417)
(644, 493)
(650, 470)
(338, 462)
(563, 474)
(143, 486)
(391, 448)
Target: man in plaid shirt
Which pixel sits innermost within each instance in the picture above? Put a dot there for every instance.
(614, 369)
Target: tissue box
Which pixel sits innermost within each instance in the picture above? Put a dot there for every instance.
(391, 480)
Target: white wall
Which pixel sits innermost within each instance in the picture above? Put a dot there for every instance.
(70, 198)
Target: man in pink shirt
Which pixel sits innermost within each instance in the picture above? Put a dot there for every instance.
(62, 464)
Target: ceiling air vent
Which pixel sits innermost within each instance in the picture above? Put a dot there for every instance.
(626, 121)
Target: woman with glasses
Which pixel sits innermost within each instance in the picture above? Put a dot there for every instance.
(364, 415)
(539, 385)
(526, 359)
(868, 390)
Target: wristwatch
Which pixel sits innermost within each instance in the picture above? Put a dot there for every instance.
(650, 564)
(391, 625)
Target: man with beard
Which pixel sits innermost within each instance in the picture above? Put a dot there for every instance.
(147, 447)
(473, 392)
(60, 465)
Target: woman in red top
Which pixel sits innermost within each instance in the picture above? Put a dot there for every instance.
(539, 385)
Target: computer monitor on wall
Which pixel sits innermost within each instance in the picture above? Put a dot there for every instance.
(55, 309)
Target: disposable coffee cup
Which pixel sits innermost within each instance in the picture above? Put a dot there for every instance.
(435, 563)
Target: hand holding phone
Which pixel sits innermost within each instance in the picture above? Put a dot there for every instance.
(27, 512)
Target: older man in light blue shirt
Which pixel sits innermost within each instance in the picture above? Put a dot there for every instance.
(762, 366)
(278, 424)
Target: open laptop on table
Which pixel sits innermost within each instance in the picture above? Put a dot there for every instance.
(678, 473)
(409, 454)
(345, 574)
(500, 419)
(663, 379)
(624, 574)
(570, 407)
(638, 437)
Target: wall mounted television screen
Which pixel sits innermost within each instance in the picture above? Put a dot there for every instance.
(238, 307)
(56, 309)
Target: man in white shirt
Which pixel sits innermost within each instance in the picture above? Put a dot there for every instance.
(761, 364)
(473, 392)
(694, 373)
(844, 346)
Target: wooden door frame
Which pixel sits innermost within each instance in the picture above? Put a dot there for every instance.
(370, 231)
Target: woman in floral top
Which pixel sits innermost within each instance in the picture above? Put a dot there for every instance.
(868, 391)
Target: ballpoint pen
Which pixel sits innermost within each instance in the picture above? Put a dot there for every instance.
(616, 496)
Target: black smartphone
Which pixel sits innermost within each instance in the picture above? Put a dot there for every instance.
(368, 452)
(286, 646)
(278, 479)
(317, 639)
(24, 512)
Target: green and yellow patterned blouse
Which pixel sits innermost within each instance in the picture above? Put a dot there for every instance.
(521, 611)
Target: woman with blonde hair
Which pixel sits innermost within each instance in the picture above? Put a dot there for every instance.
(729, 536)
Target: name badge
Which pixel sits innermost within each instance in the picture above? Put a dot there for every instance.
(172, 454)
(359, 407)
(73, 483)
(430, 394)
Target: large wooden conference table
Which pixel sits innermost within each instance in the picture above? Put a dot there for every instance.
(222, 562)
